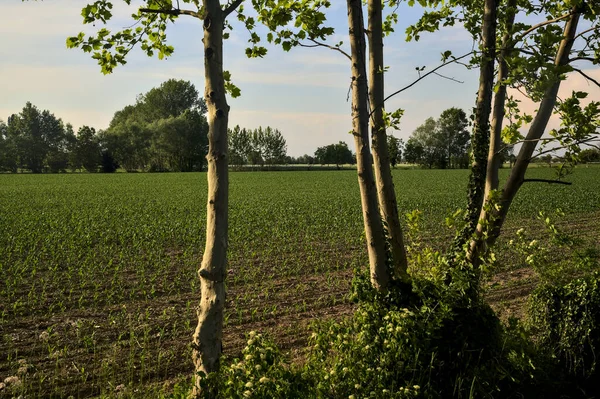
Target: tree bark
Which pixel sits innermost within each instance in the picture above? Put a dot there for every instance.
(493, 163)
(380, 277)
(207, 339)
(383, 174)
(495, 217)
(493, 160)
(481, 128)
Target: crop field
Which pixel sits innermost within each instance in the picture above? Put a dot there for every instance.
(98, 282)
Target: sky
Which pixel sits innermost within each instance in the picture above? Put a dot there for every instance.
(303, 93)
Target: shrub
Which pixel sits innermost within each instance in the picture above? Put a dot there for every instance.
(261, 373)
(439, 343)
(566, 321)
(428, 343)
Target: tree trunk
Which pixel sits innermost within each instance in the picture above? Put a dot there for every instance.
(493, 160)
(207, 339)
(493, 165)
(495, 219)
(383, 174)
(481, 128)
(360, 125)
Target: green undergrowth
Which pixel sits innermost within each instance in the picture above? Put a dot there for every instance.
(436, 346)
(566, 318)
(436, 337)
(427, 344)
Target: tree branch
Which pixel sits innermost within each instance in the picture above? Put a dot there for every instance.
(523, 141)
(175, 12)
(590, 59)
(537, 26)
(587, 76)
(530, 52)
(593, 28)
(448, 77)
(586, 141)
(235, 4)
(433, 71)
(566, 183)
(319, 44)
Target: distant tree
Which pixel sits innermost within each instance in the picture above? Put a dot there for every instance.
(87, 150)
(132, 145)
(57, 160)
(413, 151)
(428, 139)
(8, 159)
(71, 145)
(57, 156)
(108, 164)
(35, 134)
(546, 159)
(179, 143)
(59, 153)
(171, 99)
(589, 155)
(321, 155)
(164, 130)
(334, 154)
(454, 138)
(258, 147)
(305, 160)
(254, 158)
(443, 143)
(274, 146)
(394, 149)
(257, 141)
(240, 146)
(506, 155)
(342, 154)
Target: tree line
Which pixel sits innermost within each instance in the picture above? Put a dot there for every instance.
(165, 130)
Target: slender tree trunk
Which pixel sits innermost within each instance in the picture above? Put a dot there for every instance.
(383, 174)
(494, 219)
(493, 160)
(481, 128)
(207, 339)
(360, 125)
(493, 165)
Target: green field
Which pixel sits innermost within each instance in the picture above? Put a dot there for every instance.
(98, 272)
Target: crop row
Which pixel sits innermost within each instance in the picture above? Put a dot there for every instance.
(99, 282)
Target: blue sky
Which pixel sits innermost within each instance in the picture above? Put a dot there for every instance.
(302, 93)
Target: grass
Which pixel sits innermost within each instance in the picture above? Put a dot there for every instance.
(99, 279)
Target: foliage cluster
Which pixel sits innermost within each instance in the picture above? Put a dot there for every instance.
(566, 321)
(431, 345)
(443, 143)
(589, 155)
(165, 130)
(256, 147)
(334, 154)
